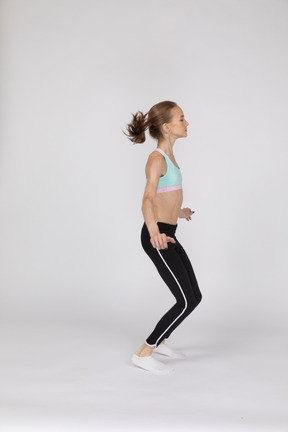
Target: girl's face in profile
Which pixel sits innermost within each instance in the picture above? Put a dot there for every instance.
(178, 124)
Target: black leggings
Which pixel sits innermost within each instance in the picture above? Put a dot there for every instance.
(176, 270)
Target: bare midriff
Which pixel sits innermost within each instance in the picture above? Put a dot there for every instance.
(167, 206)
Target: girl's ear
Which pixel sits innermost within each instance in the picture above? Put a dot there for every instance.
(165, 128)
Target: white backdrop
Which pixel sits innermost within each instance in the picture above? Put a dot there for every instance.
(71, 183)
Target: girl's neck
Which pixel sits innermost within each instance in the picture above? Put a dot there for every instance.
(166, 146)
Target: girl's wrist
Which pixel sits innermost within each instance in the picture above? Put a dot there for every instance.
(153, 229)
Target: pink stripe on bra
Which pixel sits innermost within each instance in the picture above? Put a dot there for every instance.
(160, 151)
(169, 188)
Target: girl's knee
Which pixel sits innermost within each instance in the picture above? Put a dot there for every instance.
(192, 303)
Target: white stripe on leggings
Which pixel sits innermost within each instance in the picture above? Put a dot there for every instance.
(185, 307)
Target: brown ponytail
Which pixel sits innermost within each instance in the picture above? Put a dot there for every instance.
(153, 120)
(136, 129)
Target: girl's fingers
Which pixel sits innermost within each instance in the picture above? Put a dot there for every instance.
(171, 239)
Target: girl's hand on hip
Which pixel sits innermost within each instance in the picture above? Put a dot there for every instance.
(160, 241)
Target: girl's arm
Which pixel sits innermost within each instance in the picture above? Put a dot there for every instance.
(153, 170)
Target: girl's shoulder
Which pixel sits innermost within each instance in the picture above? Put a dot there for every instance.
(155, 158)
(156, 155)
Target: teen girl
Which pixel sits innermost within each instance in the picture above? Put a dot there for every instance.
(161, 207)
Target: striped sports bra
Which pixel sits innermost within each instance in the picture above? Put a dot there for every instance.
(172, 180)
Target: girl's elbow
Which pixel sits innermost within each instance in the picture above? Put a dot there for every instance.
(147, 201)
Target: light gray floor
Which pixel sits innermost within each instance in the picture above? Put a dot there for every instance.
(76, 377)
